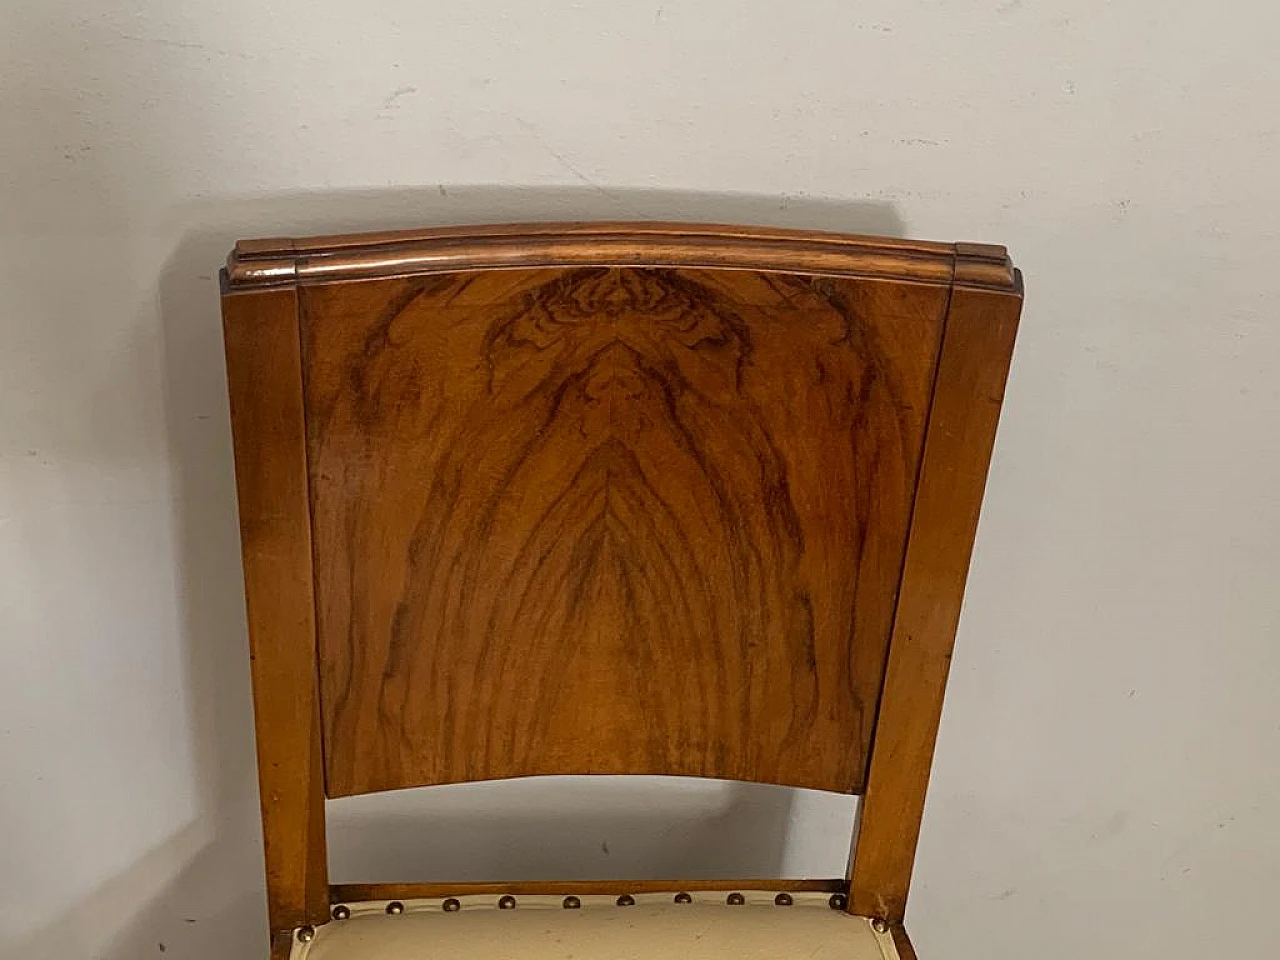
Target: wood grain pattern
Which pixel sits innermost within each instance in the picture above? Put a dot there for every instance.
(610, 520)
(264, 371)
(607, 498)
(359, 892)
(450, 249)
(972, 369)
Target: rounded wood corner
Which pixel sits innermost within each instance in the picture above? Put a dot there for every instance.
(986, 266)
(268, 262)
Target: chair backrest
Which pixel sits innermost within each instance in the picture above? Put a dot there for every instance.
(607, 499)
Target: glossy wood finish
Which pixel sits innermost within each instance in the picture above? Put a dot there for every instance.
(556, 468)
(359, 892)
(610, 521)
(977, 346)
(264, 371)
(450, 249)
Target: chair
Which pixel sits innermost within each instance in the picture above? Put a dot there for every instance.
(619, 498)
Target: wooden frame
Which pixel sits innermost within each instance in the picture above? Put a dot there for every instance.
(262, 290)
(265, 385)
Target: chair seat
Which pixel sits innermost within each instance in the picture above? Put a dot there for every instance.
(654, 926)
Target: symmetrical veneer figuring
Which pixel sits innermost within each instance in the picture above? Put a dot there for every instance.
(608, 499)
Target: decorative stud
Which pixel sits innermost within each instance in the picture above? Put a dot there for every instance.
(572, 903)
(735, 899)
(683, 897)
(783, 900)
(452, 905)
(838, 901)
(507, 903)
(395, 908)
(626, 900)
(306, 934)
(880, 925)
(342, 912)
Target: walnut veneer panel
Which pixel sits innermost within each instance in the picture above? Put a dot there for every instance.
(610, 519)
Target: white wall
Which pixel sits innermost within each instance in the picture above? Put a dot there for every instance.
(1107, 782)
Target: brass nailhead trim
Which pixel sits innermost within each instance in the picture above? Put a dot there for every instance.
(783, 900)
(342, 912)
(572, 903)
(452, 905)
(880, 925)
(395, 908)
(735, 899)
(626, 900)
(683, 898)
(306, 934)
(838, 901)
(507, 903)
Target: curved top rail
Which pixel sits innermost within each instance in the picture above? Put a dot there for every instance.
(255, 263)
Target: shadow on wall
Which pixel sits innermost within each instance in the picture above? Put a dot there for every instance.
(589, 828)
(199, 895)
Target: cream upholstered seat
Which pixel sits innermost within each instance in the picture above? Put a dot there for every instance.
(564, 499)
(653, 927)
